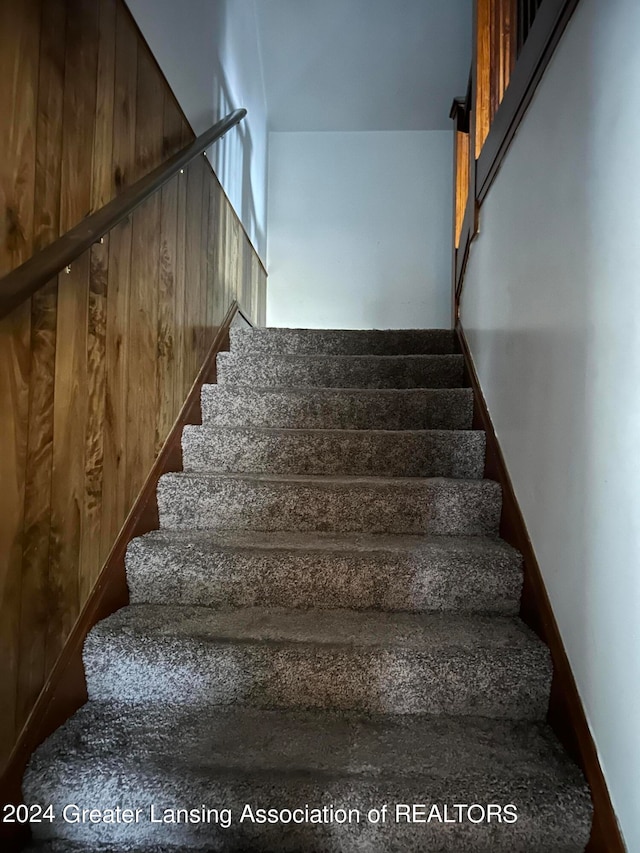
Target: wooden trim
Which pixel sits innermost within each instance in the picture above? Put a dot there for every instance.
(461, 255)
(566, 714)
(548, 27)
(462, 182)
(65, 690)
(461, 114)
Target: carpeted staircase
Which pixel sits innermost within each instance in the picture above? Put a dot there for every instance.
(326, 617)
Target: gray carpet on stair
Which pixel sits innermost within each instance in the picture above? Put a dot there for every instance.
(288, 758)
(226, 569)
(330, 504)
(331, 408)
(326, 617)
(386, 453)
(340, 371)
(278, 658)
(344, 341)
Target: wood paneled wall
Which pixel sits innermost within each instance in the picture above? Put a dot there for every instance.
(95, 367)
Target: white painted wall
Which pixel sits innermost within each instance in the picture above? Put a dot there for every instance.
(352, 65)
(551, 309)
(359, 229)
(210, 54)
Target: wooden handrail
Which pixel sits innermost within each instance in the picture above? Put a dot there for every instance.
(22, 282)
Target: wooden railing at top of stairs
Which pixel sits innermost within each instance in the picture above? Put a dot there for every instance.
(513, 44)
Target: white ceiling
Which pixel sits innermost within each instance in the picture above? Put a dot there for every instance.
(363, 64)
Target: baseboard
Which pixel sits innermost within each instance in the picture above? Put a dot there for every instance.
(566, 713)
(65, 690)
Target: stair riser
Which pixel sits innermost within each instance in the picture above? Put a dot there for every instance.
(435, 371)
(442, 408)
(506, 683)
(386, 454)
(429, 506)
(193, 574)
(538, 827)
(332, 342)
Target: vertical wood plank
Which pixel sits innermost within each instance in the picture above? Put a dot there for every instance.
(101, 173)
(462, 182)
(70, 389)
(14, 407)
(227, 283)
(482, 73)
(494, 30)
(102, 189)
(34, 603)
(229, 288)
(114, 498)
(114, 480)
(19, 57)
(219, 245)
(143, 294)
(35, 597)
(192, 270)
(204, 329)
(149, 115)
(232, 259)
(262, 278)
(245, 274)
(20, 25)
(68, 468)
(90, 551)
(172, 136)
(180, 298)
(213, 292)
(124, 119)
(79, 110)
(166, 386)
(143, 343)
(255, 287)
(49, 127)
(168, 390)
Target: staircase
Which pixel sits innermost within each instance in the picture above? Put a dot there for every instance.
(326, 617)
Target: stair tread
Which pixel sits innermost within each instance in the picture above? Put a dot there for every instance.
(337, 432)
(426, 632)
(296, 358)
(324, 391)
(317, 338)
(359, 572)
(407, 453)
(348, 358)
(274, 758)
(248, 740)
(320, 480)
(340, 371)
(347, 503)
(356, 408)
(338, 542)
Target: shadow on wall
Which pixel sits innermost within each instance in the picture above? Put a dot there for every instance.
(233, 157)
